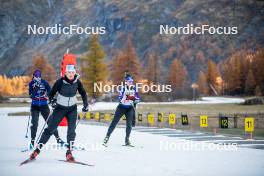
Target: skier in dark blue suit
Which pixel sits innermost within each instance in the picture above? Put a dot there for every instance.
(38, 91)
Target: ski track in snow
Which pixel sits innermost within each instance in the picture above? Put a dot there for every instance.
(118, 160)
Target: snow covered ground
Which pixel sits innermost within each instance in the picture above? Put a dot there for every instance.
(112, 105)
(205, 100)
(154, 154)
(96, 107)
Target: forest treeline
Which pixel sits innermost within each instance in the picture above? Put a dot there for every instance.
(242, 73)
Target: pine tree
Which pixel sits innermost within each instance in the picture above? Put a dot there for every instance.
(8, 89)
(19, 86)
(202, 83)
(257, 66)
(131, 60)
(250, 84)
(1, 85)
(48, 72)
(118, 68)
(212, 74)
(235, 70)
(152, 72)
(126, 61)
(93, 67)
(258, 91)
(13, 86)
(235, 74)
(177, 74)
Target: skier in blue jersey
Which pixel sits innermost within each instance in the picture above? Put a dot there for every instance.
(38, 91)
(128, 98)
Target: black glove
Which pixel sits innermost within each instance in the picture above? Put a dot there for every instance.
(53, 103)
(36, 86)
(85, 109)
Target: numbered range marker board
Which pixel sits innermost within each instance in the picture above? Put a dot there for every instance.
(92, 115)
(81, 115)
(249, 124)
(140, 117)
(160, 117)
(151, 120)
(107, 117)
(88, 115)
(224, 122)
(184, 119)
(172, 119)
(97, 116)
(203, 121)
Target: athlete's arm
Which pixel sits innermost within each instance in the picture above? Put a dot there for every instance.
(55, 89)
(82, 92)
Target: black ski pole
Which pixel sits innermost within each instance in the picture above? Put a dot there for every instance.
(44, 126)
(27, 126)
(79, 118)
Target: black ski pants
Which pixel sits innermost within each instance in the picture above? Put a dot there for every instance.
(58, 114)
(120, 111)
(35, 110)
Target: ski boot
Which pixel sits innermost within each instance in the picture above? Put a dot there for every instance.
(69, 156)
(106, 139)
(31, 145)
(32, 157)
(128, 143)
(34, 154)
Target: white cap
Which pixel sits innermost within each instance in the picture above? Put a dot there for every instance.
(70, 68)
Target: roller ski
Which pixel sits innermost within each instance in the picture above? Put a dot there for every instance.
(128, 143)
(31, 158)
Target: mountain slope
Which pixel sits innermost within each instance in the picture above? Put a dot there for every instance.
(120, 17)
